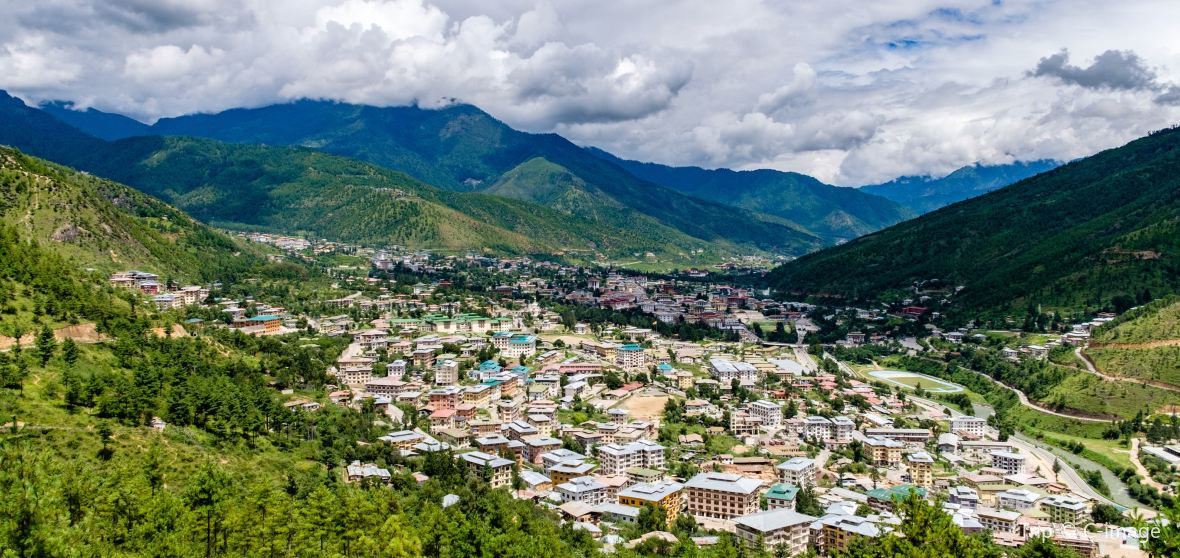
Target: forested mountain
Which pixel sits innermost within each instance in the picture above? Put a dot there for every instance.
(99, 124)
(289, 188)
(101, 224)
(1075, 238)
(923, 194)
(834, 213)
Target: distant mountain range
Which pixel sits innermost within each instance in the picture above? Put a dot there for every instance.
(836, 214)
(1071, 239)
(923, 194)
(461, 180)
(620, 215)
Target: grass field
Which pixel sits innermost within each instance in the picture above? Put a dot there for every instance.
(913, 380)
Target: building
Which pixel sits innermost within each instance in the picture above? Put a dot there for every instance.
(586, 490)
(1066, 509)
(797, 471)
(357, 472)
(770, 412)
(998, 521)
(662, 494)
(817, 428)
(727, 371)
(615, 459)
(1009, 461)
(1017, 499)
(776, 528)
(721, 495)
(496, 470)
(631, 357)
(781, 496)
(836, 532)
(514, 345)
(971, 428)
(921, 467)
(842, 429)
(446, 373)
(883, 452)
(963, 496)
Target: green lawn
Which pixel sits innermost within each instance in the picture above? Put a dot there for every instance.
(1158, 363)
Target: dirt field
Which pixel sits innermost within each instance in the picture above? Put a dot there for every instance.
(81, 333)
(645, 407)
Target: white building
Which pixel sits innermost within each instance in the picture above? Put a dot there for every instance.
(615, 459)
(776, 528)
(968, 427)
(770, 412)
(582, 489)
(798, 471)
(1010, 462)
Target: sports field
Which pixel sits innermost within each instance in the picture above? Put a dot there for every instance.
(912, 380)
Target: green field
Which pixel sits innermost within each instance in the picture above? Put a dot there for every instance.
(913, 380)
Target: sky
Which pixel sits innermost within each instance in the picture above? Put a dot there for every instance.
(851, 92)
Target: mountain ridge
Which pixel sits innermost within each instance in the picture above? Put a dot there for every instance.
(923, 194)
(1072, 239)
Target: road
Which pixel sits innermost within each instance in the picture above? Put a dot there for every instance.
(1082, 356)
(1140, 469)
(1025, 401)
(1119, 497)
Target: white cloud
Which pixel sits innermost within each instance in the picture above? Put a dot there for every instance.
(848, 91)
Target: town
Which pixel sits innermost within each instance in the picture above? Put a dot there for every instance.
(629, 404)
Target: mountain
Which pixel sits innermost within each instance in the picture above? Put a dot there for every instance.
(834, 213)
(462, 148)
(101, 224)
(103, 125)
(923, 194)
(1074, 238)
(628, 216)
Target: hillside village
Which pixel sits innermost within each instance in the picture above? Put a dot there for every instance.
(696, 420)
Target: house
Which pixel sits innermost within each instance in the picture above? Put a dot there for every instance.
(615, 459)
(357, 472)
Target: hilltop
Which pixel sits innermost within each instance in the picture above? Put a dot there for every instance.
(1072, 239)
(923, 194)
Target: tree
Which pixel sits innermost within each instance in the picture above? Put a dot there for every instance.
(46, 345)
(652, 518)
(1043, 547)
(69, 352)
(926, 531)
(1167, 543)
(791, 410)
(208, 494)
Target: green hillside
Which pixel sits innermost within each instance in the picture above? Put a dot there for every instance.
(462, 148)
(1143, 343)
(1077, 238)
(107, 226)
(833, 213)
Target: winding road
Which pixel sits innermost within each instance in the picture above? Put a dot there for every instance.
(1095, 371)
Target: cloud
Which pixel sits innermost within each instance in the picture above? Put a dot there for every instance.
(1113, 69)
(850, 92)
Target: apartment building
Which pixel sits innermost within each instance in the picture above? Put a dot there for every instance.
(921, 468)
(797, 471)
(662, 494)
(586, 490)
(770, 412)
(482, 463)
(721, 495)
(1010, 462)
(775, 528)
(615, 459)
